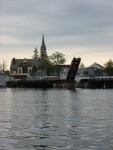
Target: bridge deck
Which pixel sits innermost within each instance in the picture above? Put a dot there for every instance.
(95, 82)
(99, 78)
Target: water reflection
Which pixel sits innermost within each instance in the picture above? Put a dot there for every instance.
(56, 119)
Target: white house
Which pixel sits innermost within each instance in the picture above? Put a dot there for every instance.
(97, 66)
(2, 79)
(93, 70)
(64, 71)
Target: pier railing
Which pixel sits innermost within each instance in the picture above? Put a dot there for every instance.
(101, 77)
(95, 82)
(43, 78)
(79, 78)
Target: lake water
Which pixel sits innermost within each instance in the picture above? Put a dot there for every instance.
(56, 119)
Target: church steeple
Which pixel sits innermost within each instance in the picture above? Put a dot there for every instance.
(43, 53)
(43, 47)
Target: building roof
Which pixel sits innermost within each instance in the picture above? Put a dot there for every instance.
(96, 65)
(32, 62)
(96, 71)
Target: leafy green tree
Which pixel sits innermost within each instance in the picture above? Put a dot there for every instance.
(109, 67)
(7, 71)
(57, 59)
(3, 66)
(82, 65)
(33, 71)
(58, 69)
(49, 67)
(35, 56)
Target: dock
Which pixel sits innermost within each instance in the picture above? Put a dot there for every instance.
(34, 83)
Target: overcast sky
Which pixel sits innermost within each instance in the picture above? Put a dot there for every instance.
(76, 28)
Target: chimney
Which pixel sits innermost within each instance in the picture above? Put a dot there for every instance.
(14, 61)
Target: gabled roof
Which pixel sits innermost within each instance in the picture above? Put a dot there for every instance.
(90, 70)
(95, 65)
(32, 62)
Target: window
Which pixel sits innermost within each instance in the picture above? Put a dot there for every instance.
(24, 69)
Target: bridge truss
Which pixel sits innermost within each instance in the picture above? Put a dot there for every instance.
(73, 70)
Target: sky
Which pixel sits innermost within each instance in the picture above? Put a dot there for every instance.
(76, 28)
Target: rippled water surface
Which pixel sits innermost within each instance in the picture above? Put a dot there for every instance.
(56, 119)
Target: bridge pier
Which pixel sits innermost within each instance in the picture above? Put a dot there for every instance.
(82, 85)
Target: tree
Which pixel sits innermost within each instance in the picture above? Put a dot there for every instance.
(34, 69)
(53, 62)
(35, 56)
(3, 66)
(82, 65)
(49, 67)
(7, 72)
(109, 67)
(57, 59)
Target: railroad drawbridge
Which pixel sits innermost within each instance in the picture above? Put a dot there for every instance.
(73, 70)
(70, 80)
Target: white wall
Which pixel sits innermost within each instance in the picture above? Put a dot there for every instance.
(63, 76)
(64, 72)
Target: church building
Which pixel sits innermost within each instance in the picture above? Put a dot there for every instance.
(19, 68)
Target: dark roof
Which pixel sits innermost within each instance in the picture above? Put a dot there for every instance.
(96, 65)
(32, 62)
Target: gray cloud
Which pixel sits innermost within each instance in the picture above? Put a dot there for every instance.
(74, 23)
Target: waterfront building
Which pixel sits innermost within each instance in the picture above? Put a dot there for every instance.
(93, 70)
(2, 79)
(20, 68)
(64, 71)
